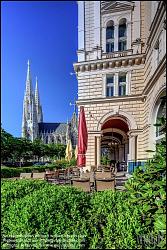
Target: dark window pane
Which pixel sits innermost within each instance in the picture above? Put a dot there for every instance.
(110, 32)
(122, 78)
(107, 91)
(122, 30)
(122, 45)
(124, 89)
(107, 47)
(119, 90)
(110, 79)
(112, 91)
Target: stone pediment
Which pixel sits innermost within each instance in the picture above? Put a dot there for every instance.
(108, 7)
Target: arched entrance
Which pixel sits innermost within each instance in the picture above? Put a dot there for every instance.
(114, 139)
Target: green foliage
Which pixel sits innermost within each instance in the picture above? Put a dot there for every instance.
(37, 208)
(105, 160)
(147, 189)
(17, 149)
(113, 223)
(135, 219)
(9, 172)
(7, 141)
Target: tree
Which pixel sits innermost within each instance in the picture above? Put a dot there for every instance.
(7, 141)
(22, 150)
(147, 189)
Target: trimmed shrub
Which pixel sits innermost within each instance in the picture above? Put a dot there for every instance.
(46, 212)
(113, 223)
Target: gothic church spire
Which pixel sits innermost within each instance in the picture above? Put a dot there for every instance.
(37, 102)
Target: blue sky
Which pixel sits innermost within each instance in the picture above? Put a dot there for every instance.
(44, 32)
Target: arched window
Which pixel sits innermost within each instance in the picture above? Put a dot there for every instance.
(110, 37)
(161, 113)
(122, 35)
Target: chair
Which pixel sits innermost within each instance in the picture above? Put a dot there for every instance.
(25, 175)
(50, 175)
(47, 171)
(103, 175)
(104, 184)
(40, 176)
(35, 171)
(93, 168)
(88, 176)
(75, 172)
(82, 184)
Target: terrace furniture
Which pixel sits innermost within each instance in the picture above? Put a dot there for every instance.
(82, 184)
(93, 168)
(40, 176)
(105, 175)
(25, 175)
(35, 171)
(47, 171)
(89, 175)
(51, 176)
(75, 172)
(104, 184)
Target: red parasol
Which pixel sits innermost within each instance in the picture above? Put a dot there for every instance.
(82, 139)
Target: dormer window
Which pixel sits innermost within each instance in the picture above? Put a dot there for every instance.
(110, 37)
(122, 35)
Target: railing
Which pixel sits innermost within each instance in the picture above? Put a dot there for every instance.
(117, 54)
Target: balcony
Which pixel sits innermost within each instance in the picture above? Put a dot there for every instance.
(117, 54)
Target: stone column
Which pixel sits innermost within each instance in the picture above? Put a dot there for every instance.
(116, 84)
(128, 35)
(132, 147)
(116, 37)
(98, 151)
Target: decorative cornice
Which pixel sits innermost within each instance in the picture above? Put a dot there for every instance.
(109, 63)
(109, 100)
(115, 6)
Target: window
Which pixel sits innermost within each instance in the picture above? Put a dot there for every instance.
(110, 37)
(122, 84)
(110, 86)
(122, 35)
(161, 113)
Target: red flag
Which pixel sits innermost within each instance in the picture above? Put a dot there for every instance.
(82, 139)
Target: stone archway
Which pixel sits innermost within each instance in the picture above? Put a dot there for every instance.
(122, 114)
(115, 140)
(121, 127)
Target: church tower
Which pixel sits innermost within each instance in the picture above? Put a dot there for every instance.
(29, 120)
(37, 103)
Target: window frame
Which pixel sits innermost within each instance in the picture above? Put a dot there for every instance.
(110, 85)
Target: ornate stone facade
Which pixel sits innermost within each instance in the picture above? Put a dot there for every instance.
(121, 73)
(32, 122)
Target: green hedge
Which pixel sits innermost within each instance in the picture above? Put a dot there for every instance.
(9, 172)
(103, 220)
(40, 209)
